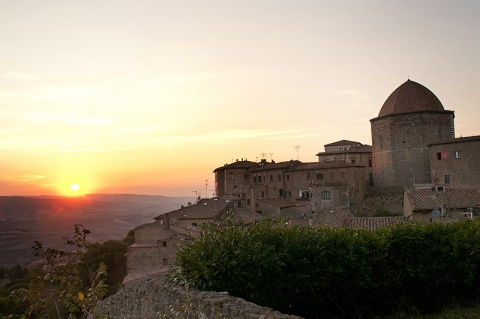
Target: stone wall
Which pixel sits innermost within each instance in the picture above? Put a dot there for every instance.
(158, 298)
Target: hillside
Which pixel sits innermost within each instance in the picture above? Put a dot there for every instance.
(50, 219)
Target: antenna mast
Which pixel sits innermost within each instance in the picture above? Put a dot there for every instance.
(297, 147)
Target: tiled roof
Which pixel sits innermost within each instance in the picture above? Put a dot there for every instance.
(262, 166)
(335, 217)
(373, 223)
(238, 164)
(475, 138)
(342, 216)
(410, 97)
(429, 199)
(323, 165)
(343, 142)
(205, 208)
(247, 216)
(279, 202)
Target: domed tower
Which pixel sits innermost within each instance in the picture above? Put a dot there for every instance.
(411, 118)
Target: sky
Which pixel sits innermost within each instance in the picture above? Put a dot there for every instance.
(149, 97)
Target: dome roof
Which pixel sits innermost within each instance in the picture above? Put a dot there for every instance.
(410, 97)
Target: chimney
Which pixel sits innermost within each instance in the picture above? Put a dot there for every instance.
(167, 221)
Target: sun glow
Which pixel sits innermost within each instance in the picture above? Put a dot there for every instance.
(75, 187)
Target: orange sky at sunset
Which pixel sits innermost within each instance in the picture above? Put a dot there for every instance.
(149, 97)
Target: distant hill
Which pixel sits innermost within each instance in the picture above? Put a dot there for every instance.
(50, 219)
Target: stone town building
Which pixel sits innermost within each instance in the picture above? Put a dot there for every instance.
(347, 151)
(155, 244)
(230, 178)
(456, 164)
(328, 184)
(411, 118)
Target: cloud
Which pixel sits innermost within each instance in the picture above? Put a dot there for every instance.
(20, 76)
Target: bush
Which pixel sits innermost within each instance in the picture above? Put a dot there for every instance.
(340, 272)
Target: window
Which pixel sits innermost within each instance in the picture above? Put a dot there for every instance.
(254, 179)
(245, 176)
(343, 175)
(288, 194)
(165, 262)
(280, 192)
(279, 177)
(370, 163)
(326, 195)
(263, 194)
(248, 201)
(381, 141)
(164, 244)
(308, 175)
(288, 177)
(353, 161)
(194, 224)
(230, 175)
(447, 179)
(271, 177)
(439, 156)
(457, 154)
(319, 177)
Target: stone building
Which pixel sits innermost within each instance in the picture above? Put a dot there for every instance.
(456, 164)
(328, 184)
(230, 178)
(154, 250)
(347, 151)
(411, 118)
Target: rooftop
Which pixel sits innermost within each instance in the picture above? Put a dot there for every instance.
(429, 199)
(410, 97)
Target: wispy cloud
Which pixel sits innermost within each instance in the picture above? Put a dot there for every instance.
(19, 76)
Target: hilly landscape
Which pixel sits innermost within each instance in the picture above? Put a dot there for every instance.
(51, 219)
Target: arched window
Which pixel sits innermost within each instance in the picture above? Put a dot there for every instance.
(326, 195)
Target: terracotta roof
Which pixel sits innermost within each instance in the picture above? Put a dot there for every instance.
(238, 164)
(262, 166)
(475, 138)
(247, 216)
(374, 223)
(429, 199)
(410, 97)
(343, 142)
(205, 208)
(334, 217)
(322, 165)
(279, 202)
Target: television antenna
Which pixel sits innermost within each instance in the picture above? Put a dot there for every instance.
(263, 155)
(271, 156)
(206, 187)
(297, 147)
(196, 196)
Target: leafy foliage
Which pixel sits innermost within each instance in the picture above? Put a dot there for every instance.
(60, 287)
(341, 272)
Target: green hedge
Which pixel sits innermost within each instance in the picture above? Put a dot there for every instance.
(336, 272)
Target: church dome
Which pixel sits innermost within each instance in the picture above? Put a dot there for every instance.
(410, 97)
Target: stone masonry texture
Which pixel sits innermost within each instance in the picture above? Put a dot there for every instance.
(150, 298)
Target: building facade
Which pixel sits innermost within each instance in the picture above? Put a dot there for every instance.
(456, 163)
(411, 118)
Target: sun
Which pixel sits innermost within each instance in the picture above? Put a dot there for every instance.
(75, 187)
